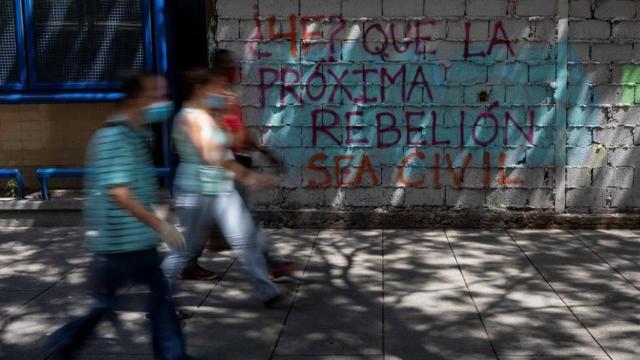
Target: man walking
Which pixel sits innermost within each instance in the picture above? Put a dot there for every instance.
(122, 231)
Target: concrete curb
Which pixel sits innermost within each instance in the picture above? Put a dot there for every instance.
(421, 218)
(68, 212)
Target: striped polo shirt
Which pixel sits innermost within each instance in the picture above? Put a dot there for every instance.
(118, 155)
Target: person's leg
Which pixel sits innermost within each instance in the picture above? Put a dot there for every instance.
(192, 214)
(278, 267)
(263, 244)
(261, 235)
(105, 277)
(241, 233)
(168, 340)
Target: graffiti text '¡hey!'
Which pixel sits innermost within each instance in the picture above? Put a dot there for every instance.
(387, 39)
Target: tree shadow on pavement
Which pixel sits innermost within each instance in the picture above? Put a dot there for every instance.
(396, 294)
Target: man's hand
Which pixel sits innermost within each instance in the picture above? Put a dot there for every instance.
(167, 232)
(172, 237)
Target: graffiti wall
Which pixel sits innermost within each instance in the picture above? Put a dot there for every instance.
(427, 104)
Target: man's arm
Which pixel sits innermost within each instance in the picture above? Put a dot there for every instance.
(122, 196)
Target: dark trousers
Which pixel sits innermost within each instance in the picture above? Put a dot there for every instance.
(109, 272)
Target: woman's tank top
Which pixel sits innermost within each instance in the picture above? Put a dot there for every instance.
(193, 173)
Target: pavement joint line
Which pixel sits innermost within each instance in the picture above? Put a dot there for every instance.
(216, 283)
(76, 270)
(384, 349)
(603, 260)
(559, 296)
(49, 244)
(9, 313)
(475, 305)
(295, 295)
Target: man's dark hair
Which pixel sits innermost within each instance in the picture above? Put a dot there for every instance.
(193, 79)
(222, 60)
(133, 84)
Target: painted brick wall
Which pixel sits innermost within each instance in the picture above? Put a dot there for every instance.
(448, 104)
(33, 136)
(602, 148)
(401, 103)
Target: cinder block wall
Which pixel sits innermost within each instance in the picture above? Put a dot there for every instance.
(602, 147)
(41, 135)
(441, 104)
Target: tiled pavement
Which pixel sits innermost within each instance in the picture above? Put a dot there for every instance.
(364, 294)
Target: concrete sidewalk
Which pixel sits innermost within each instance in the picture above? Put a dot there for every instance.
(372, 294)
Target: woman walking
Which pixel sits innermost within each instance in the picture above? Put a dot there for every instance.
(206, 194)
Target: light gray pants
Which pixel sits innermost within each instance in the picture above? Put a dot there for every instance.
(198, 213)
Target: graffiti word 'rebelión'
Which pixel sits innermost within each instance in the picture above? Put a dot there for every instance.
(484, 129)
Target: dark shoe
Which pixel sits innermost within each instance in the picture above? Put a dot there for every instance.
(58, 352)
(61, 355)
(183, 314)
(286, 269)
(281, 301)
(59, 345)
(191, 357)
(197, 272)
